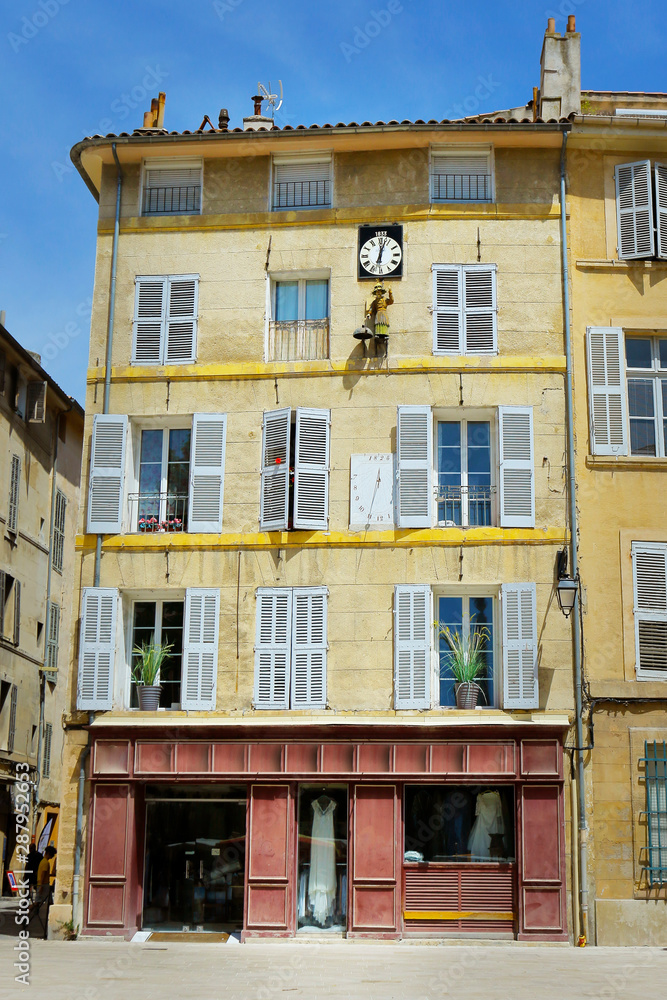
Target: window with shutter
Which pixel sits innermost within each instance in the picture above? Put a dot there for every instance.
(274, 503)
(207, 472)
(162, 622)
(298, 328)
(464, 309)
(414, 466)
(519, 611)
(466, 615)
(309, 647)
(517, 473)
(462, 174)
(52, 635)
(36, 402)
(97, 648)
(59, 531)
(11, 738)
(413, 628)
(646, 369)
(634, 210)
(606, 390)
(200, 649)
(302, 183)
(273, 647)
(661, 209)
(46, 757)
(14, 494)
(172, 187)
(17, 612)
(165, 319)
(649, 566)
(107, 474)
(291, 647)
(311, 470)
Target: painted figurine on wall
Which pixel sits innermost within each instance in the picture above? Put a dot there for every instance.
(377, 311)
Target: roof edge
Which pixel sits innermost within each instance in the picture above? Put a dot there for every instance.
(70, 401)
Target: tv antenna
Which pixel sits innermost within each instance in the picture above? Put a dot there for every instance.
(273, 100)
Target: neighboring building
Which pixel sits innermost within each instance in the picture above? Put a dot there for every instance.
(42, 433)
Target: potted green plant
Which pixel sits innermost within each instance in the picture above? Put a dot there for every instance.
(149, 658)
(466, 662)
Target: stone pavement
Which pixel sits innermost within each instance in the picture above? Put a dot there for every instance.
(96, 970)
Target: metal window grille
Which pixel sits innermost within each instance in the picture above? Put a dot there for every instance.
(462, 187)
(301, 194)
(12, 719)
(655, 762)
(59, 531)
(46, 761)
(298, 340)
(175, 199)
(13, 514)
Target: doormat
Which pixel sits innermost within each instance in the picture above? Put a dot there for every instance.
(200, 937)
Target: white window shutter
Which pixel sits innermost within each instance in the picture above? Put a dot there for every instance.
(607, 400)
(311, 469)
(309, 647)
(181, 331)
(517, 472)
(649, 568)
(97, 648)
(519, 609)
(200, 649)
(273, 647)
(107, 474)
(275, 470)
(207, 472)
(413, 628)
(447, 310)
(149, 319)
(479, 286)
(414, 439)
(634, 210)
(661, 209)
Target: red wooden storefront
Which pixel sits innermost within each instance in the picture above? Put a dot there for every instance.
(386, 896)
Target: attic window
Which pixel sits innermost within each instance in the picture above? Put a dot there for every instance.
(172, 187)
(462, 174)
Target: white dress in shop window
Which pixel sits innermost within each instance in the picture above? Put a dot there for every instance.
(489, 820)
(322, 878)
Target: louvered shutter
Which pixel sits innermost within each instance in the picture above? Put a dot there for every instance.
(172, 190)
(649, 566)
(13, 700)
(414, 436)
(200, 649)
(52, 635)
(3, 584)
(309, 647)
(519, 611)
(517, 472)
(46, 759)
(107, 474)
(479, 314)
(181, 333)
(207, 472)
(634, 210)
(607, 401)
(301, 184)
(36, 402)
(661, 209)
(149, 320)
(17, 612)
(413, 627)
(311, 470)
(14, 495)
(273, 647)
(97, 648)
(275, 470)
(447, 311)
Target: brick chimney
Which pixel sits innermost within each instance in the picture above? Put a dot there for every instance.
(560, 71)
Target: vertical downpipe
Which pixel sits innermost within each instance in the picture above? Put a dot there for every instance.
(578, 677)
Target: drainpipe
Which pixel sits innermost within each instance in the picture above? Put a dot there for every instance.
(79, 832)
(112, 307)
(578, 677)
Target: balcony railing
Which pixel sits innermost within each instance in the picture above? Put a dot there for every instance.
(151, 513)
(175, 200)
(298, 340)
(462, 187)
(470, 505)
(301, 194)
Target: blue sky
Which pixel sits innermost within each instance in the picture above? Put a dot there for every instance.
(69, 65)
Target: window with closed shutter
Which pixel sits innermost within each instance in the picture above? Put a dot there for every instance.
(301, 183)
(165, 319)
(461, 174)
(291, 647)
(634, 210)
(172, 188)
(11, 737)
(46, 756)
(52, 635)
(59, 531)
(464, 309)
(14, 493)
(649, 567)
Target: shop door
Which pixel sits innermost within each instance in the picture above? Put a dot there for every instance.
(194, 863)
(374, 898)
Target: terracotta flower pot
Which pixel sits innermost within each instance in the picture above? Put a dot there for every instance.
(149, 697)
(467, 694)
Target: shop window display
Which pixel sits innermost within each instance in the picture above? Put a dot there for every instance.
(322, 879)
(459, 823)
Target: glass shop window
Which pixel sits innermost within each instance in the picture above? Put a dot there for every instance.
(322, 880)
(459, 824)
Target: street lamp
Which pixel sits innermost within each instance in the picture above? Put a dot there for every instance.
(567, 586)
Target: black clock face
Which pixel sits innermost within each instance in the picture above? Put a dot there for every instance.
(380, 252)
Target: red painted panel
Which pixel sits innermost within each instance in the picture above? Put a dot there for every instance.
(106, 904)
(109, 831)
(374, 758)
(267, 906)
(541, 757)
(448, 758)
(269, 814)
(154, 758)
(374, 832)
(301, 758)
(192, 758)
(373, 907)
(489, 758)
(542, 909)
(540, 828)
(337, 758)
(112, 757)
(228, 758)
(266, 758)
(411, 758)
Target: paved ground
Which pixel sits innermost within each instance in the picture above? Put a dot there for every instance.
(86, 970)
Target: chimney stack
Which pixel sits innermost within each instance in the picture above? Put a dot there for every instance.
(560, 71)
(155, 117)
(257, 120)
(223, 118)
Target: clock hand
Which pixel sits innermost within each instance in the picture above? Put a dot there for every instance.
(382, 246)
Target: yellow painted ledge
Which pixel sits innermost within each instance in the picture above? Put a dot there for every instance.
(429, 365)
(390, 539)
